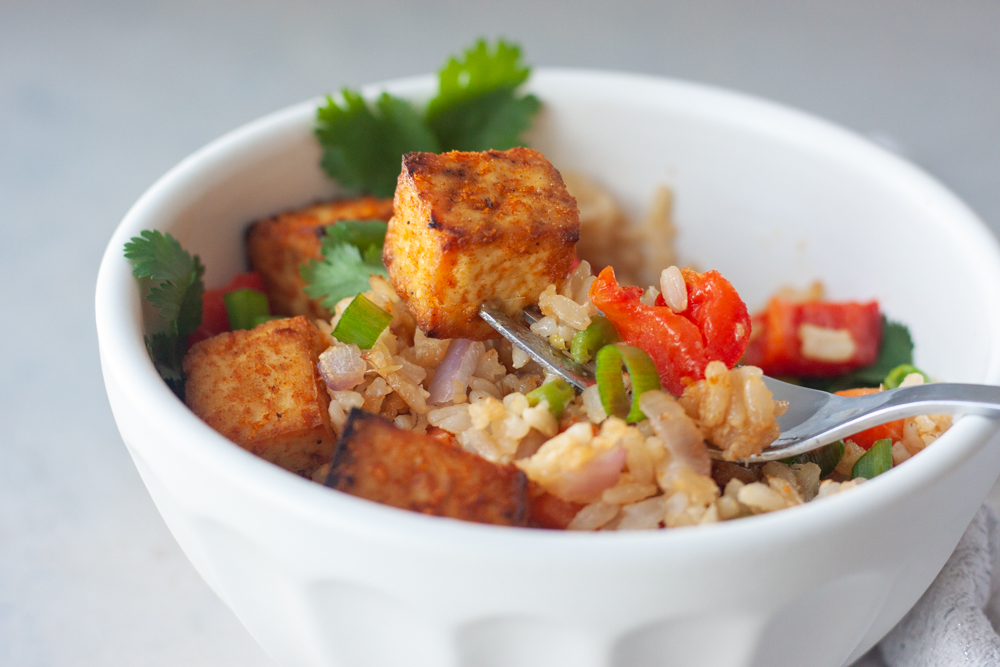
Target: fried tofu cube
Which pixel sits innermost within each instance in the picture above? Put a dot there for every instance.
(377, 461)
(261, 389)
(547, 510)
(278, 247)
(474, 227)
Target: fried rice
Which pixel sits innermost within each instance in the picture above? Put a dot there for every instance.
(656, 473)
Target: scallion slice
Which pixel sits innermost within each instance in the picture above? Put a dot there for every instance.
(586, 343)
(362, 323)
(899, 373)
(875, 461)
(826, 457)
(641, 371)
(244, 306)
(558, 393)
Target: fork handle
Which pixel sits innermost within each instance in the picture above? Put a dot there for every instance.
(936, 398)
(843, 416)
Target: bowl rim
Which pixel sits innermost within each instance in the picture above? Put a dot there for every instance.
(124, 357)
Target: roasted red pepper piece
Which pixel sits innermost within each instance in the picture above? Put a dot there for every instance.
(714, 327)
(214, 319)
(777, 346)
(717, 310)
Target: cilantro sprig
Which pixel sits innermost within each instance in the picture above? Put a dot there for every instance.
(362, 146)
(352, 252)
(175, 289)
(477, 108)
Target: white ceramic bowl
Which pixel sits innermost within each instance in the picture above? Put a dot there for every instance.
(765, 194)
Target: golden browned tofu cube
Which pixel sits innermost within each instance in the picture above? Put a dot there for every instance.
(279, 246)
(546, 510)
(377, 461)
(260, 388)
(474, 227)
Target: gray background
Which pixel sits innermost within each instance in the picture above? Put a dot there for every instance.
(98, 100)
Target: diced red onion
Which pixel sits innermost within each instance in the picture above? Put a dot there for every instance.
(679, 433)
(342, 367)
(452, 376)
(596, 475)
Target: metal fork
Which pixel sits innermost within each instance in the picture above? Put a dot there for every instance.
(580, 376)
(814, 418)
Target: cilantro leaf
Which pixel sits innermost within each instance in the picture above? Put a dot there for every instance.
(177, 288)
(176, 291)
(480, 72)
(179, 302)
(352, 251)
(495, 120)
(342, 273)
(362, 147)
(168, 357)
(365, 235)
(477, 107)
(158, 256)
(896, 349)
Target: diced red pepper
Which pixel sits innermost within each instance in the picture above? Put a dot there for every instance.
(714, 327)
(214, 319)
(717, 310)
(865, 439)
(777, 347)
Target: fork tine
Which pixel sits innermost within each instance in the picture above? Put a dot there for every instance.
(578, 375)
(803, 403)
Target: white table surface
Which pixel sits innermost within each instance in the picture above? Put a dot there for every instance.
(99, 99)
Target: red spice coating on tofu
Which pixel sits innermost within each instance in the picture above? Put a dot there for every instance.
(377, 461)
(260, 388)
(474, 227)
(548, 510)
(278, 247)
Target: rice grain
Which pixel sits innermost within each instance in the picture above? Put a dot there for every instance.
(673, 289)
(594, 516)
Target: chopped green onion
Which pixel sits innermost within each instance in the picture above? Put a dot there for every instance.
(609, 381)
(558, 393)
(826, 457)
(362, 323)
(260, 319)
(244, 306)
(586, 343)
(899, 373)
(875, 461)
(641, 371)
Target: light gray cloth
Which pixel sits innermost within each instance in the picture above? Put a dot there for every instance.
(954, 622)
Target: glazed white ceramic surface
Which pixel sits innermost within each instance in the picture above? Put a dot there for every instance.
(767, 195)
